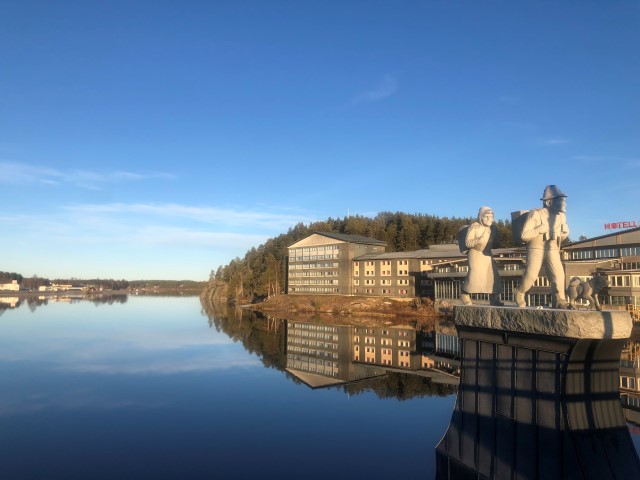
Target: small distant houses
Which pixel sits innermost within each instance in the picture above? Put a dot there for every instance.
(55, 287)
(14, 286)
(340, 264)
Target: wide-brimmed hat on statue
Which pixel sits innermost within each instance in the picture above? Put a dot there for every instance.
(551, 191)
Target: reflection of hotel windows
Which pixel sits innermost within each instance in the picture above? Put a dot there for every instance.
(369, 282)
(403, 282)
(370, 340)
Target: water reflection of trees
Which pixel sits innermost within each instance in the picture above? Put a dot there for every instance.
(401, 386)
(262, 336)
(266, 337)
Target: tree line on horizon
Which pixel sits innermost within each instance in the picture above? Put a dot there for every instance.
(34, 282)
(262, 271)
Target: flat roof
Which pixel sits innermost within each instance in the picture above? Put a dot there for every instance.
(607, 235)
(427, 253)
(351, 238)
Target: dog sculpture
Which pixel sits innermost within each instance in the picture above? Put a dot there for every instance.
(586, 290)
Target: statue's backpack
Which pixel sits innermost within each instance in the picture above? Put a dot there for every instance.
(462, 239)
(518, 220)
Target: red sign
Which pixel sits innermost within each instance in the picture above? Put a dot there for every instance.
(614, 225)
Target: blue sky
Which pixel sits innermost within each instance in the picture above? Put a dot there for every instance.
(157, 139)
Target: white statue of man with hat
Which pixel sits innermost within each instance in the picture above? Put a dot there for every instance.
(544, 230)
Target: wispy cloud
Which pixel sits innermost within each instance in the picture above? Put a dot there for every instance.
(207, 215)
(158, 224)
(385, 88)
(553, 141)
(25, 174)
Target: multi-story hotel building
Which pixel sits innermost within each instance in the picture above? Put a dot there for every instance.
(322, 263)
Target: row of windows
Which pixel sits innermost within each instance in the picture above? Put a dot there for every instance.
(308, 351)
(451, 289)
(314, 289)
(509, 267)
(628, 382)
(582, 255)
(606, 252)
(629, 251)
(307, 266)
(307, 281)
(382, 282)
(630, 401)
(385, 351)
(384, 291)
(317, 249)
(384, 341)
(541, 282)
(383, 273)
(313, 326)
(293, 333)
(312, 343)
(306, 258)
(624, 280)
(313, 273)
(371, 331)
(317, 361)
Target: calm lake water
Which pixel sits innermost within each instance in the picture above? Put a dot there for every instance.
(161, 387)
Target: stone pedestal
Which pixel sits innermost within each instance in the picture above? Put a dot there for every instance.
(538, 396)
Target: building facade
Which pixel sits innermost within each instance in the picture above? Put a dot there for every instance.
(322, 263)
(616, 256)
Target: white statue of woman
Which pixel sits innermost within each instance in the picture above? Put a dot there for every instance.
(482, 276)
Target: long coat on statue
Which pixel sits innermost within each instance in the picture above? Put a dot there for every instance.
(482, 276)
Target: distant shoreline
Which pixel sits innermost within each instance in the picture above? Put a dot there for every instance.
(79, 293)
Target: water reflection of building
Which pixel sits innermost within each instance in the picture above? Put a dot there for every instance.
(630, 382)
(323, 355)
(12, 302)
(320, 355)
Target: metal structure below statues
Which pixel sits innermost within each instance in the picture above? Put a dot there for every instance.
(538, 397)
